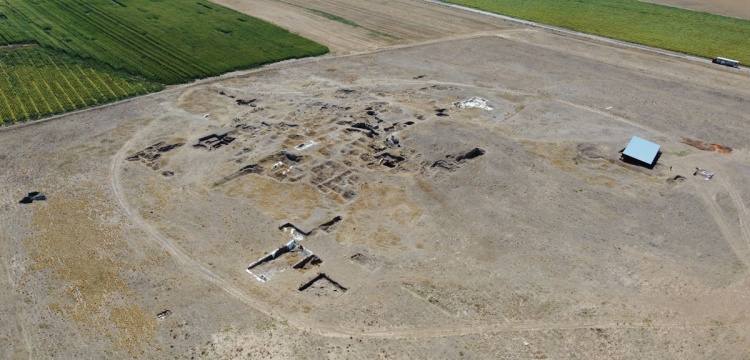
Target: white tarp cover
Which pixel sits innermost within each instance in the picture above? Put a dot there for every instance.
(474, 102)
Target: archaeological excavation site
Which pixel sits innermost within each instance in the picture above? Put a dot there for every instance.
(444, 197)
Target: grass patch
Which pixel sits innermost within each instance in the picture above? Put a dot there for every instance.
(378, 34)
(660, 26)
(146, 42)
(333, 17)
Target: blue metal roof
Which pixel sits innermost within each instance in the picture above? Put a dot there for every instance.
(642, 150)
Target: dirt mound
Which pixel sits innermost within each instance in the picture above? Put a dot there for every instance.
(706, 146)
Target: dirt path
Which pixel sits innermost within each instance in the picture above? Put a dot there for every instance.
(165, 242)
(193, 266)
(10, 291)
(17, 46)
(611, 116)
(740, 243)
(743, 214)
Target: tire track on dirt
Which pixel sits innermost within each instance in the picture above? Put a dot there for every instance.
(174, 250)
(611, 116)
(21, 314)
(11, 296)
(742, 212)
(738, 246)
(531, 326)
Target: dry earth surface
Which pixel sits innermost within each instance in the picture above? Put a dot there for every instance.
(373, 24)
(733, 8)
(437, 231)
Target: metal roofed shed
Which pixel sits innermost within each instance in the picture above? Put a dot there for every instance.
(641, 152)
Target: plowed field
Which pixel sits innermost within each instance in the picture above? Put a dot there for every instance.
(376, 23)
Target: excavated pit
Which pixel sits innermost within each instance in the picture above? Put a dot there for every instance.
(322, 285)
(474, 153)
(31, 197)
(453, 162)
(246, 102)
(245, 170)
(308, 262)
(214, 141)
(326, 226)
(151, 154)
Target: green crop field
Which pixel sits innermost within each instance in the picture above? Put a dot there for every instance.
(94, 51)
(665, 27)
(39, 83)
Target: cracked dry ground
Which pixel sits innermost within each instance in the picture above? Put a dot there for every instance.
(438, 231)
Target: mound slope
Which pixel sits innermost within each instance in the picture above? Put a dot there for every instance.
(441, 230)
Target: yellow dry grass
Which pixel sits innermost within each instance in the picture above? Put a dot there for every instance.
(279, 200)
(394, 209)
(70, 240)
(560, 156)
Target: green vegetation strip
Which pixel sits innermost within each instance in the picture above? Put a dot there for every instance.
(94, 51)
(333, 17)
(665, 27)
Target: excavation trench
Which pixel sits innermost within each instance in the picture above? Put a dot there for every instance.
(324, 226)
(323, 281)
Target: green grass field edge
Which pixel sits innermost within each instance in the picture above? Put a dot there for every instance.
(660, 26)
(170, 54)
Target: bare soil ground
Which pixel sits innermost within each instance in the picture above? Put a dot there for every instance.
(731, 8)
(439, 231)
(378, 23)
